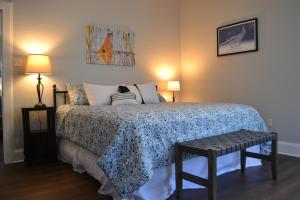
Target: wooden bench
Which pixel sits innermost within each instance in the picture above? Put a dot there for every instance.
(212, 147)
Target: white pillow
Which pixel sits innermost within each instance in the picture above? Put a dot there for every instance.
(135, 91)
(148, 92)
(99, 94)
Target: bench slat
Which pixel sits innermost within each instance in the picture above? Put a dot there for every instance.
(228, 143)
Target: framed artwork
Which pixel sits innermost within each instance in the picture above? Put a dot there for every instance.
(107, 46)
(237, 38)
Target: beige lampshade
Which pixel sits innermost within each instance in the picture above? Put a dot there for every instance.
(38, 63)
(174, 85)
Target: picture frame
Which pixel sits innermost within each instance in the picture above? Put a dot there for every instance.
(236, 38)
(110, 46)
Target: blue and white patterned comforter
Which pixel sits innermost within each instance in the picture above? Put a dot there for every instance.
(132, 140)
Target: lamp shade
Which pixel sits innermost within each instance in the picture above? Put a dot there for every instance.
(174, 85)
(38, 63)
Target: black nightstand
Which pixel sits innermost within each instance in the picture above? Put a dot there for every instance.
(39, 145)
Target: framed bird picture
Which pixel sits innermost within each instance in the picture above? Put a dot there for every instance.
(237, 38)
(107, 46)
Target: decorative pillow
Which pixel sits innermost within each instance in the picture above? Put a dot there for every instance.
(161, 98)
(123, 98)
(99, 94)
(135, 91)
(77, 94)
(148, 93)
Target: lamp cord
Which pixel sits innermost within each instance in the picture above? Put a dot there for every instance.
(40, 122)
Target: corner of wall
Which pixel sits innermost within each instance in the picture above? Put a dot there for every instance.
(7, 81)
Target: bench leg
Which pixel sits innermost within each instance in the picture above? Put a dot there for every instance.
(178, 170)
(274, 157)
(212, 175)
(243, 161)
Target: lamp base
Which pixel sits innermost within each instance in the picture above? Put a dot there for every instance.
(40, 105)
(174, 96)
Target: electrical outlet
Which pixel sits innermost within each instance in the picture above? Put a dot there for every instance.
(270, 122)
(18, 62)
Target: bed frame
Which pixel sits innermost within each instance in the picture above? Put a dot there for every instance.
(56, 92)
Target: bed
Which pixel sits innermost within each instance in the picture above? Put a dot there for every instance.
(130, 148)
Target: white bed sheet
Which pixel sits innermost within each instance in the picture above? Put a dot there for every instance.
(162, 184)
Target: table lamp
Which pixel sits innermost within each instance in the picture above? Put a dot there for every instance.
(173, 86)
(38, 64)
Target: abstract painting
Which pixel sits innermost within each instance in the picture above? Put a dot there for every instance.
(237, 38)
(107, 46)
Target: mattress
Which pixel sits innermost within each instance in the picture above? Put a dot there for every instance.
(131, 141)
(162, 183)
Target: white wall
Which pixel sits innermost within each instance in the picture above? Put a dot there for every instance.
(58, 27)
(267, 79)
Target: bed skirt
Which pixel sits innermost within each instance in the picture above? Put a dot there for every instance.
(162, 184)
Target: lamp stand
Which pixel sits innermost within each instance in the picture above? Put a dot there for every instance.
(174, 96)
(40, 91)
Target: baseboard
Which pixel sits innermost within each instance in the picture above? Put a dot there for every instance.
(18, 156)
(288, 148)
